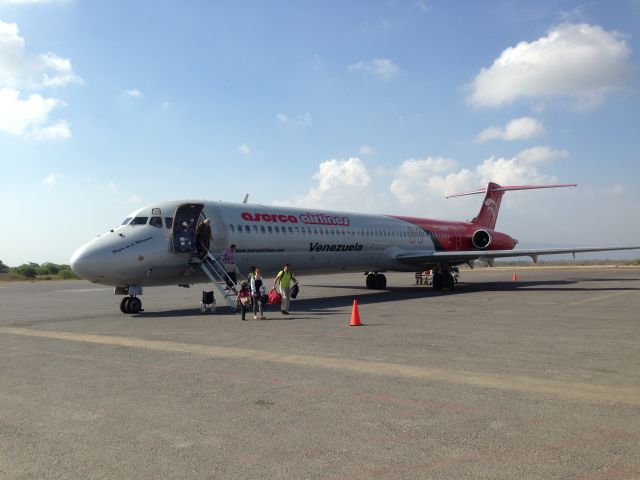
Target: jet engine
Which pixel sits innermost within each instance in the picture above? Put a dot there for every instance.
(481, 239)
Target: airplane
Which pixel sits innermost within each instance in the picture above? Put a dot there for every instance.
(156, 245)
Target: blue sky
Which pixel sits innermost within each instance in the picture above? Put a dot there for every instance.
(377, 106)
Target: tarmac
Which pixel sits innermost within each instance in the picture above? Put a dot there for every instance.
(537, 378)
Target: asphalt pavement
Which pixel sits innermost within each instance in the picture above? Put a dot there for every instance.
(537, 378)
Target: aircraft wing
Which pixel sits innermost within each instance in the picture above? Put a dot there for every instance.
(426, 257)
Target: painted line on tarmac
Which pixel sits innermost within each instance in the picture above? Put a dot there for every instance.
(602, 297)
(569, 390)
(82, 290)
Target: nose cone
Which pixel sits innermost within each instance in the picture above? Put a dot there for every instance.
(89, 261)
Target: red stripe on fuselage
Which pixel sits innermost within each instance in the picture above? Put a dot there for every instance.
(446, 235)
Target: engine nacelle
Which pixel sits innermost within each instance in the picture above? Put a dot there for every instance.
(488, 239)
(481, 239)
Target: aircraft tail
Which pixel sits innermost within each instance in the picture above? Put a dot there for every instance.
(488, 214)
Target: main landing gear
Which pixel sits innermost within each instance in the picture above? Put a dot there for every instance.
(443, 279)
(376, 281)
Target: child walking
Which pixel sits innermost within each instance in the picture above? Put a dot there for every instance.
(244, 299)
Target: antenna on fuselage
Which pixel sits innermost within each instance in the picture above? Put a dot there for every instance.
(246, 198)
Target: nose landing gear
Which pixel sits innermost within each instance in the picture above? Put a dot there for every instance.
(131, 305)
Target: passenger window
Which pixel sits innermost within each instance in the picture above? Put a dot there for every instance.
(270, 229)
(156, 222)
(262, 229)
(247, 229)
(232, 228)
(277, 229)
(168, 222)
(291, 230)
(139, 221)
(255, 229)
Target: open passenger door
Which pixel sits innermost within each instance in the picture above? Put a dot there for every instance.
(185, 221)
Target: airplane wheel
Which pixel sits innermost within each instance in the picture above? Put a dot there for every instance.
(135, 305)
(123, 304)
(371, 281)
(380, 281)
(437, 282)
(449, 281)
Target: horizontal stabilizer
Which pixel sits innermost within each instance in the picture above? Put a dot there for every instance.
(499, 188)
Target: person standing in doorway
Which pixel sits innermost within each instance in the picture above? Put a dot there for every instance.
(283, 281)
(203, 238)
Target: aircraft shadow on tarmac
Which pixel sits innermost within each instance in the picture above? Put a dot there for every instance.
(330, 305)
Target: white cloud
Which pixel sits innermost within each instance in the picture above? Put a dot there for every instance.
(21, 70)
(540, 155)
(52, 179)
(135, 93)
(382, 68)
(579, 61)
(302, 120)
(110, 187)
(29, 118)
(417, 180)
(58, 131)
(245, 149)
(366, 150)
(517, 129)
(18, 70)
(508, 171)
(340, 184)
(413, 177)
(423, 6)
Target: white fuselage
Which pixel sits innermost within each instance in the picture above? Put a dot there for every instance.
(141, 250)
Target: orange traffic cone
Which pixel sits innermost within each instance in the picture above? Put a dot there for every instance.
(515, 277)
(355, 316)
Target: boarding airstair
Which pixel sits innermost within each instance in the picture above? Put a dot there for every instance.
(221, 281)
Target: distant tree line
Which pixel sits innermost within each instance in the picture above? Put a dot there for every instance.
(32, 271)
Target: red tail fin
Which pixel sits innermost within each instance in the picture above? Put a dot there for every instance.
(491, 205)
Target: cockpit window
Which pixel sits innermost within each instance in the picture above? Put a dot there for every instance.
(156, 222)
(168, 222)
(139, 221)
(126, 221)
